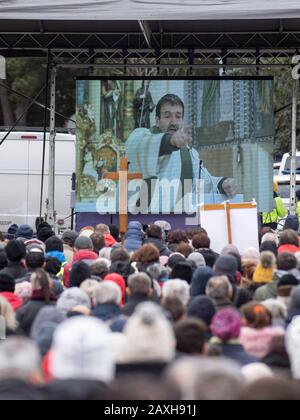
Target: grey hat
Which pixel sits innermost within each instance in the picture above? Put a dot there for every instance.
(197, 258)
(69, 237)
(82, 242)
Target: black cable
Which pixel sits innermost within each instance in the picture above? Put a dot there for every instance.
(35, 102)
(21, 116)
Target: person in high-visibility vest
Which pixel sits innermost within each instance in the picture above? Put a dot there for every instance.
(279, 212)
(298, 204)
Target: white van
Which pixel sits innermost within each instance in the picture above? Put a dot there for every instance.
(285, 165)
(20, 177)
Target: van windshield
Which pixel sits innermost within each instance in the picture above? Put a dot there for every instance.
(287, 168)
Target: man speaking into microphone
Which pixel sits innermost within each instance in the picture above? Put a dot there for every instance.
(165, 153)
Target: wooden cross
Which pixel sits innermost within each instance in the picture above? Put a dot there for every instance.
(123, 176)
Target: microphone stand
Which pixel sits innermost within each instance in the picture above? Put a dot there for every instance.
(199, 192)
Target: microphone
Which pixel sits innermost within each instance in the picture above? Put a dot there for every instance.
(200, 168)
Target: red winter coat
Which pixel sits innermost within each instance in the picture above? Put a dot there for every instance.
(83, 255)
(14, 300)
(288, 248)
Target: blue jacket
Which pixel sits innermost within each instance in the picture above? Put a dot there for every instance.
(134, 237)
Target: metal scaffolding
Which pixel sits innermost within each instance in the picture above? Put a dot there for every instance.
(156, 52)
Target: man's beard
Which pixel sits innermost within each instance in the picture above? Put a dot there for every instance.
(172, 128)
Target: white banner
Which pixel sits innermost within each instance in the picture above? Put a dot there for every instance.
(149, 9)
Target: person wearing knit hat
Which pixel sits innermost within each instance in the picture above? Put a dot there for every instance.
(34, 245)
(174, 259)
(45, 233)
(226, 325)
(256, 371)
(270, 236)
(42, 225)
(11, 232)
(203, 308)
(197, 258)
(227, 266)
(83, 242)
(24, 232)
(44, 326)
(226, 329)
(150, 336)
(69, 237)
(81, 351)
(71, 298)
(292, 342)
(265, 270)
(83, 252)
(120, 282)
(199, 281)
(285, 286)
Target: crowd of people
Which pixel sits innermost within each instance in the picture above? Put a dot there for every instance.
(158, 316)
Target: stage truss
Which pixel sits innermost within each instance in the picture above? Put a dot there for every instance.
(149, 53)
(158, 52)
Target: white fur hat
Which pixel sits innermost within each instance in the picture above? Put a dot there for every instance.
(81, 350)
(150, 336)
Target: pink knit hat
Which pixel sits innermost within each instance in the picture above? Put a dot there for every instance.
(226, 325)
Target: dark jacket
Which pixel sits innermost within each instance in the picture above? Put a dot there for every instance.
(236, 352)
(74, 390)
(133, 302)
(241, 297)
(25, 278)
(200, 280)
(18, 390)
(160, 245)
(155, 369)
(27, 313)
(14, 269)
(107, 311)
